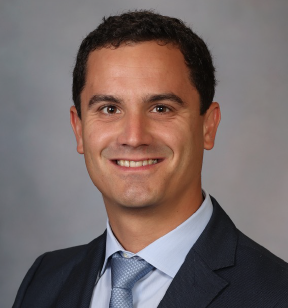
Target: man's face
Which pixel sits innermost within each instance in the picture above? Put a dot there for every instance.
(141, 131)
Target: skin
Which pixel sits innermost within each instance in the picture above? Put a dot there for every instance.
(138, 103)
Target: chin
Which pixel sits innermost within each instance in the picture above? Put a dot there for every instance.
(135, 199)
(136, 202)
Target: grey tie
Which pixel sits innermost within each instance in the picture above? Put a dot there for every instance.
(125, 272)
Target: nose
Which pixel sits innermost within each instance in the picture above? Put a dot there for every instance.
(135, 130)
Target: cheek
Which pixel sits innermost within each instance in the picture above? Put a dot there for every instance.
(97, 137)
(186, 142)
(181, 133)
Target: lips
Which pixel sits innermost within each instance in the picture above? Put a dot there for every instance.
(133, 164)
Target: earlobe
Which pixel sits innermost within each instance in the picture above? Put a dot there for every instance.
(212, 119)
(76, 124)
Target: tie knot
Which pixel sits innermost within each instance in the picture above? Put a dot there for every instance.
(127, 271)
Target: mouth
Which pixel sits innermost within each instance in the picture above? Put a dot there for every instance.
(138, 163)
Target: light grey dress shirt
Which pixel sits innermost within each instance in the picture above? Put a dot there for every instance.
(166, 254)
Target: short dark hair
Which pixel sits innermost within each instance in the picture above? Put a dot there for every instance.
(145, 25)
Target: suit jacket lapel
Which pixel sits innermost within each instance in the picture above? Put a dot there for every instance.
(78, 289)
(197, 283)
(194, 286)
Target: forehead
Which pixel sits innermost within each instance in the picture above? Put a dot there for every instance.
(148, 62)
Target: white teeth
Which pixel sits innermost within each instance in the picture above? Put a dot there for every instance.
(120, 162)
(133, 164)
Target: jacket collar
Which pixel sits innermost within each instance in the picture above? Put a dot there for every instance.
(197, 284)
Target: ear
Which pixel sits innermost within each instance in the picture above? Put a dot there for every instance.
(76, 124)
(211, 121)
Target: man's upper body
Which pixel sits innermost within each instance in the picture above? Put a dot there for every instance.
(143, 88)
(223, 269)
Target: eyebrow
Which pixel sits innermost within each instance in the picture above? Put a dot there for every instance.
(98, 98)
(164, 97)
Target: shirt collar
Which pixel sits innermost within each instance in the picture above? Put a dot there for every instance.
(167, 253)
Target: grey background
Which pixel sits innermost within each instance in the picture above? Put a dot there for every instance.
(47, 199)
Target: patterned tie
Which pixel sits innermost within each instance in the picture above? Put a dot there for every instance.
(125, 273)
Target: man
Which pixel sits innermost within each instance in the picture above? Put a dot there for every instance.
(143, 88)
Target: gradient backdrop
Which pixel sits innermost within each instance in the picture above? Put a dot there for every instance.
(47, 199)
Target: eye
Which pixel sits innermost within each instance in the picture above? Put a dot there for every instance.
(110, 109)
(160, 109)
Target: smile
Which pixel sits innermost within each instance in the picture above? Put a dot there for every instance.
(133, 164)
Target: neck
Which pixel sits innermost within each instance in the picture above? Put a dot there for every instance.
(136, 228)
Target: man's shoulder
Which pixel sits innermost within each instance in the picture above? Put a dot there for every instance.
(261, 258)
(255, 276)
(52, 270)
(250, 245)
(72, 255)
(249, 255)
(245, 247)
(258, 277)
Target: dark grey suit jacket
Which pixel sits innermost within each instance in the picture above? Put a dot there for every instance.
(224, 269)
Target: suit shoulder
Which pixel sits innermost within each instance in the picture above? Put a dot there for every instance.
(44, 280)
(259, 251)
(71, 255)
(263, 269)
